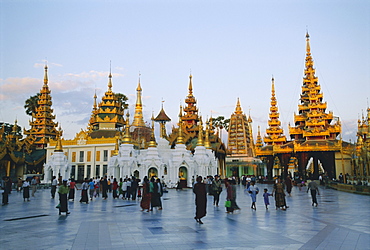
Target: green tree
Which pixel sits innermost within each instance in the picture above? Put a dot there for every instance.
(221, 123)
(31, 105)
(123, 99)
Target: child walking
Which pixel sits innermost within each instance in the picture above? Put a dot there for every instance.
(266, 198)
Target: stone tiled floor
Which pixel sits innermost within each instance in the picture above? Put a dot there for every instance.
(341, 221)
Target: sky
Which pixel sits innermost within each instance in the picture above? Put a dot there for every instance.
(232, 49)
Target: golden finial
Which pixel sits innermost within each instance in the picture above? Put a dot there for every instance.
(190, 85)
(127, 135)
(200, 134)
(58, 146)
(46, 74)
(180, 139)
(238, 109)
(207, 143)
(110, 78)
(308, 48)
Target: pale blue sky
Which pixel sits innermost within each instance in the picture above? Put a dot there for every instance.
(232, 49)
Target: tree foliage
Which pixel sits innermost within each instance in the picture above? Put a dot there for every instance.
(220, 122)
(123, 99)
(31, 104)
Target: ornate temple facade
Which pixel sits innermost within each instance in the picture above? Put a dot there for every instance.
(241, 149)
(361, 159)
(111, 146)
(314, 147)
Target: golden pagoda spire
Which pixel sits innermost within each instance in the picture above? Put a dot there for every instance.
(200, 135)
(259, 143)
(190, 85)
(162, 118)
(152, 142)
(308, 47)
(127, 136)
(238, 109)
(274, 131)
(207, 144)
(138, 116)
(180, 139)
(46, 80)
(95, 105)
(110, 85)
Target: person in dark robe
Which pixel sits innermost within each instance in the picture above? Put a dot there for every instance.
(84, 188)
(105, 187)
(155, 198)
(7, 189)
(72, 186)
(63, 200)
(146, 196)
(26, 190)
(289, 185)
(200, 199)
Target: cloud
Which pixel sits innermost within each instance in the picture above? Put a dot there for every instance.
(41, 65)
(93, 74)
(14, 87)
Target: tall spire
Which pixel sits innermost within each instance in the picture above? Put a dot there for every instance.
(200, 134)
(180, 139)
(162, 118)
(46, 75)
(127, 136)
(190, 85)
(58, 146)
(312, 122)
(110, 78)
(259, 143)
(152, 142)
(138, 116)
(274, 131)
(207, 144)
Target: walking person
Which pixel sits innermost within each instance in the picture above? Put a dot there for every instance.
(289, 185)
(91, 189)
(231, 195)
(19, 184)
(6, 190)
(146, 195)
(314, 190)
(63, 201)
(155, 198)
(34, 185)
(84, 188)
(26, 190)
(72, 187)
(134, 186)
(159, 193)
(279, 194)
(128, 188)
(253, 191)
(114, 188)
(105, 186)
(217, 189)
(266, 197)
(200, 200)
(54, 184)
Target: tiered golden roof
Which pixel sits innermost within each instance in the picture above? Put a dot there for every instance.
(275, 134)
(162, 118)
(311, 122)
(109, 114)
(362, 159)
(190, 119)
(43, 127)
(240, 140)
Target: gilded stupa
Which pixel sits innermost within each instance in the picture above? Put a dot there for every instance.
(140, 133)
(362, 159)
(43, 128)
(240, 139)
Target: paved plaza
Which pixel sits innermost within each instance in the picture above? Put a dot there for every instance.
(341, 221)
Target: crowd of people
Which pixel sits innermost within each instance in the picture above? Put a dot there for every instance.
(150, 191)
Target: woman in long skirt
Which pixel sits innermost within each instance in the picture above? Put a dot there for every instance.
(72, 186)
(114, 188)
(231, 195)
(145, 201)
(84, 188)
(200, 199)
(26, 190)
(63, 202)
(279, 195)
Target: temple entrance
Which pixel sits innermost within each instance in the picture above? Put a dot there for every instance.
(152, 172)
(80, 173)
(136, 174)
(183, 176)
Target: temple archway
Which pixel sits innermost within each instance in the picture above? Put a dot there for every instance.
(183, 176)
(136, 174)
(152, 172)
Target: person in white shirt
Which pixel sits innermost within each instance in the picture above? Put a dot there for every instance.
(54, 184)
(26, 190)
